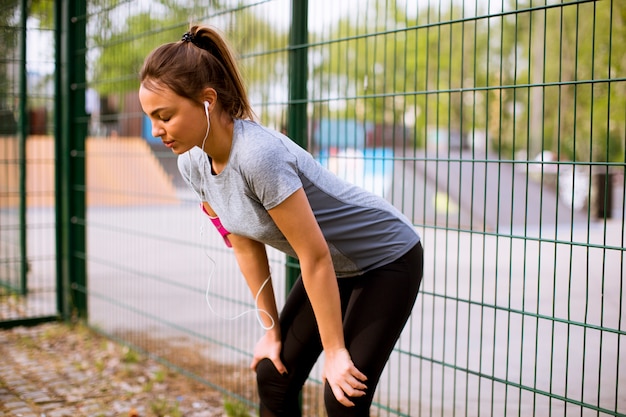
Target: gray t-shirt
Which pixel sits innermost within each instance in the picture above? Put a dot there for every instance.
(363, 230)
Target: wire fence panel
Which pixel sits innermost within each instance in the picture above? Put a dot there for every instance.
(497, 127)
(11, 239)
(27, 164)
(160, 277)
(484, 125)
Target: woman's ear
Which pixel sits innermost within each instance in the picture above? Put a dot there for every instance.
(209, 95)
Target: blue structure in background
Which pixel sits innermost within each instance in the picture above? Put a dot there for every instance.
(344, 147)
(146, 130)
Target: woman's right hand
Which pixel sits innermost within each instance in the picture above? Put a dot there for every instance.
(269, 346)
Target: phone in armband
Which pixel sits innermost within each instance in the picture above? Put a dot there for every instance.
(218, 225)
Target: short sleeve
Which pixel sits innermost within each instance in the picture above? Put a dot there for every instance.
(271, 172)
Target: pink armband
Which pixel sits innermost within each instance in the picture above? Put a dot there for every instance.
(220, 228)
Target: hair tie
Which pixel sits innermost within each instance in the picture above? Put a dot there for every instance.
(188, 37)
(202, 44)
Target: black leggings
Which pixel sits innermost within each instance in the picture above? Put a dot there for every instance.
(375, 308)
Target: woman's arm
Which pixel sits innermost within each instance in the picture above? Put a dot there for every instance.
(295, 218)
(253, 263)
(252, 259)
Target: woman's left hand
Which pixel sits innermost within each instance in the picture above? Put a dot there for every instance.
(269, 347)
(344, 378)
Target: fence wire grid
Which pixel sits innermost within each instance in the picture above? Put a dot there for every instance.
(497, 127)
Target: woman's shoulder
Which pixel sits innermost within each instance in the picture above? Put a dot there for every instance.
(250, 130)
(261, 149)
(254, 139)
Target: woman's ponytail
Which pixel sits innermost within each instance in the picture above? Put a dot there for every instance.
(201, 59)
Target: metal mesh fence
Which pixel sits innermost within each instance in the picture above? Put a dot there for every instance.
(27, 163)
(497, 127)
(159, 278)
(10, 167)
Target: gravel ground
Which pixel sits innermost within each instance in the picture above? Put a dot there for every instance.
(56, 370)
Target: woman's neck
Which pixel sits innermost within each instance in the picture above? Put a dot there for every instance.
(219, 142)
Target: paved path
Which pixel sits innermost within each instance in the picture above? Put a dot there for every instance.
(53, 371)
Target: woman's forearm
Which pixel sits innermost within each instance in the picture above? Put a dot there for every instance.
(321, 286)
(253, 263)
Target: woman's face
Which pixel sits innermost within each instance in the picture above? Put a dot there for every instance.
(179, 122)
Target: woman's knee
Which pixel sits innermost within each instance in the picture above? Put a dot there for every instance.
(274, 389)
(334, 408)
(271, 383)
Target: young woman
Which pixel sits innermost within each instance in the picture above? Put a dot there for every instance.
(360, 258)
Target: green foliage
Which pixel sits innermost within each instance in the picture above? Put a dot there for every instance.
(527, 80)
(161, 407)
(9, 30)
(235, 408)
(130, 356)
(258, 44)
(43, 11)
(159, 376)
(580, 115)
(603, 147)
(27, 341)
(121, 54)
(122, 48)
(401, 70)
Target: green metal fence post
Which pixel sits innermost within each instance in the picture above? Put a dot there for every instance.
(22, 135)
(71, 131)
(58, 121)
(297, 116)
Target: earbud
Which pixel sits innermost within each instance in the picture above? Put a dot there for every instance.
(208, 122)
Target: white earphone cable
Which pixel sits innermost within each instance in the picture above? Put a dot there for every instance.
(258, 311)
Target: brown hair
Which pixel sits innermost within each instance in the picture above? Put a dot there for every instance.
(201, 59)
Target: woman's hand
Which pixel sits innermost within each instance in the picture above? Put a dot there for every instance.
(268, 346)
(296, 220)
(344, 378)
(252, 259)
